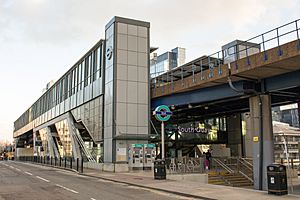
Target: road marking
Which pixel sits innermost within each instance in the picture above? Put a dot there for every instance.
(67, 188)
(42, 179)
(28, 173)
(93, 199)
(11, 167)
(18, 169)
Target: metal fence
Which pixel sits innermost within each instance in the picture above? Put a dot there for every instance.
(186, 165)
(62, 162)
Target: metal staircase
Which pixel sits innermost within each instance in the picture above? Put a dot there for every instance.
(51, 144)
(76, 136)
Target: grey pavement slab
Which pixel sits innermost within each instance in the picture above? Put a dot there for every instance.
(187, 188)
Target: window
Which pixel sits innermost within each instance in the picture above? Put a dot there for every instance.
(68, 86)
(62, 89)
(79, 76)
(231, 51)
(97, 64)
(83, 69)
(75, 78)
(89, 69)
(54, 96)
(70, 83)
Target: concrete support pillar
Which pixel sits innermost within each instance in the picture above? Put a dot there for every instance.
(235, 135)
(248, 140)
(262, 138)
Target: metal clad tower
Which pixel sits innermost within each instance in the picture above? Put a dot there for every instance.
(126, 100)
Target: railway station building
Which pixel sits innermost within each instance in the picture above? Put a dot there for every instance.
(100, 110)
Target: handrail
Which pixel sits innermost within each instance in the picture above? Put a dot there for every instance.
(246, 161)
(223, 165)
(76, 133)
(246, 176)
(248, 166)
(244, 164)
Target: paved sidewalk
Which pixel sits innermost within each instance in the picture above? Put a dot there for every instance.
(185, 188)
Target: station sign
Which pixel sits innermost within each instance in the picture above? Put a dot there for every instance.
(193, 130)
(162, 113)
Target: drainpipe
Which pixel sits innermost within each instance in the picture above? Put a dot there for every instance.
(261, 149)
(299, 113)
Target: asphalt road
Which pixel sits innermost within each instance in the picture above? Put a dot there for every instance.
(27, 181)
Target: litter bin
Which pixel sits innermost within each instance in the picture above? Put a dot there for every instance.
(277, 180)
(159, 169)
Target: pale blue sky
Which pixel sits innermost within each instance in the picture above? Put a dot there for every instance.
(41, 39)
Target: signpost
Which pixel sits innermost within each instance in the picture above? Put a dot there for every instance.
(162, 113)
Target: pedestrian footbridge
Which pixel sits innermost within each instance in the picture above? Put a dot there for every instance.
(274, 55)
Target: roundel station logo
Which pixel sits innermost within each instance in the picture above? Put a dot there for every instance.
(162, 113)
(109, 52)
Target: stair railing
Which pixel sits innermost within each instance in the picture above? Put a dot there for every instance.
(222, 165)
(82, 144)
(247, 161)
(246, 176)
(245, 168)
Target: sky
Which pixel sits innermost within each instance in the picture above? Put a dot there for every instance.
(41, 39)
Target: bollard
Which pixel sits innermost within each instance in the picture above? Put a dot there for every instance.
(77, 163)
(65, 162)
(81, 165)
(50, 160)
(60, 161)
(71, 162)
(55, 161)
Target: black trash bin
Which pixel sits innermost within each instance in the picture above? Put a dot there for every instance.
(159, 169)
(277, 180)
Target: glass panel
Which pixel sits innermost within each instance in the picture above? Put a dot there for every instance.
(90, 69)
(79, 76)
(82, 73)
(86, 72)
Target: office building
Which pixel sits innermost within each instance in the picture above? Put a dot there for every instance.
(166, 61)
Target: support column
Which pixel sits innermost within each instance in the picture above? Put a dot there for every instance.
(248, 140)
(235, 135)
(299, 114)
(262, 138)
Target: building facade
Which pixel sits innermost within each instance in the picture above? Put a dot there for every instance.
(166, 61)
(99, 107)
(287, 114)
(286, 143)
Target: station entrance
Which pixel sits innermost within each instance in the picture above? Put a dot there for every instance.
(193, 129)
(217, 145)
(232, 129)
